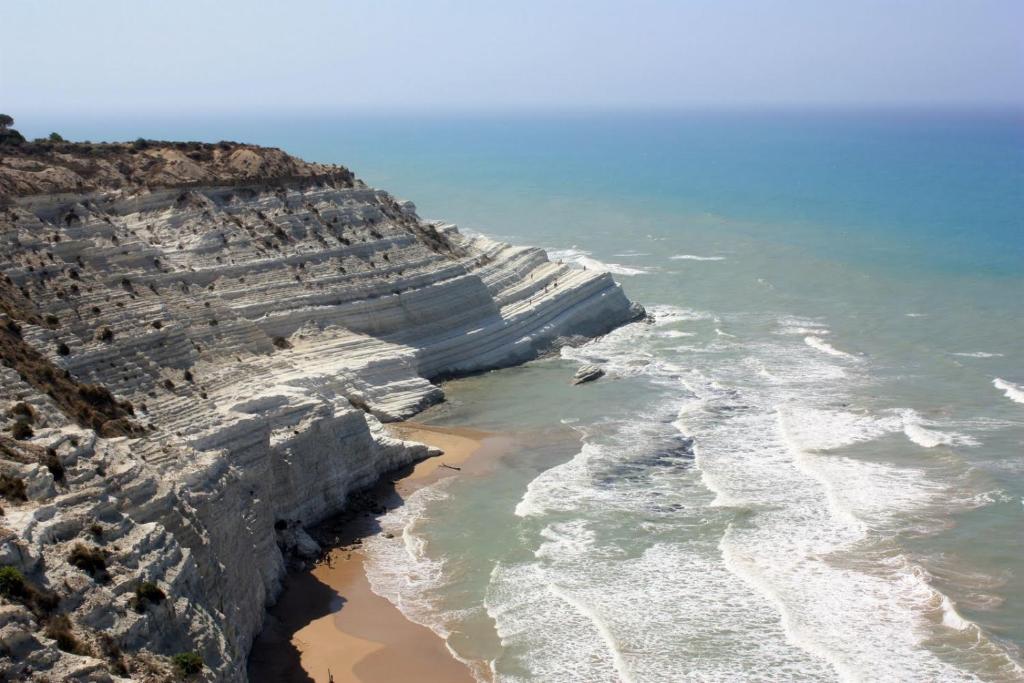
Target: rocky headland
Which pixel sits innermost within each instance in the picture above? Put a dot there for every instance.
(199, 345)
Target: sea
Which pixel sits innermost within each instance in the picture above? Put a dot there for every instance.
(808, 465)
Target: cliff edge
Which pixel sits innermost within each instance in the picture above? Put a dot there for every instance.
(199, 343)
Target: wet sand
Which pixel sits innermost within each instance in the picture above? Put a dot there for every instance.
(328, 622)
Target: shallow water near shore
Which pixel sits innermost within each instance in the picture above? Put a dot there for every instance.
(808, 466)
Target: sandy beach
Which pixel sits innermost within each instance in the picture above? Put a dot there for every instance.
(329, 623)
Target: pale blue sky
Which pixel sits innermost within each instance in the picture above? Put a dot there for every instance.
(99, 56)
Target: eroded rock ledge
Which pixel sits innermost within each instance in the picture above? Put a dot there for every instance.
(254, 319)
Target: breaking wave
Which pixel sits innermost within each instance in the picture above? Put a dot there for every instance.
(694, 257)
(1012, 391)
(583, 259)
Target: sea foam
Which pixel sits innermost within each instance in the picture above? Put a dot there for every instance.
(583, 259)
(1012, 391)
(823, 346)
(694, 257)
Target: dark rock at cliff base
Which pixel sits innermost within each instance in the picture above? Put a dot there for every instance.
(588, 373)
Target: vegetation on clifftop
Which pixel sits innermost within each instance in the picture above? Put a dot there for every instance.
(53, 165)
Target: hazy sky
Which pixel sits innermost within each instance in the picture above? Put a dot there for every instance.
(99, 56)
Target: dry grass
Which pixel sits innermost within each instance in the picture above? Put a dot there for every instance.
(89, 406)
(59, 628)
(90, 559)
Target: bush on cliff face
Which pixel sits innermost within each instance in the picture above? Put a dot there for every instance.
(146, 593)
(93, 561)
(15, 586)
(23, 412)
(187, 663)
(12, 582)
(13, 488)
(59, 628)
(53, 464)
(22, 431)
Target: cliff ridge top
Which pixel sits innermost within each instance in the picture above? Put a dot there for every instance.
(52, 167)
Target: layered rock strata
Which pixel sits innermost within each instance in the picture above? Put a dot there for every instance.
(256, 318)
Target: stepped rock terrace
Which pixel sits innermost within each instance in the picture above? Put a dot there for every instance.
(201, 343)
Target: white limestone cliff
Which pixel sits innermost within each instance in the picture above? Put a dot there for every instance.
(262, 329)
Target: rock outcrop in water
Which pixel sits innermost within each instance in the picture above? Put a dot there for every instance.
(587, 373)
(199, 345)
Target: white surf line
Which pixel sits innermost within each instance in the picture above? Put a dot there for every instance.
(823, 346)
(618, 661)
(695, 257)
(1012, 391)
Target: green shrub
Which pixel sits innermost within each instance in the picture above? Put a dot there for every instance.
(12, 582)
(63, 349)
(187, 663)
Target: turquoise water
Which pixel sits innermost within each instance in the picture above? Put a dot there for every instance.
(809, 466)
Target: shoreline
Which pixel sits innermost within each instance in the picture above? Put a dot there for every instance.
(328, 621)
